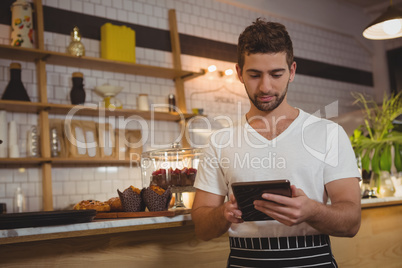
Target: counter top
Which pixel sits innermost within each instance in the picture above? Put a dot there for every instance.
(95, 227)
(108, 226)
(380, 202)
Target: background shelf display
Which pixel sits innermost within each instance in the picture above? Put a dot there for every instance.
(63, 109)
(58, 58)
(41, 57)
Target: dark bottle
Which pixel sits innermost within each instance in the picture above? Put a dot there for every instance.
(15, 90)
(77, 93)
(172, 103)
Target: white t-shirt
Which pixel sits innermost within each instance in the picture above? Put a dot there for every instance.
(310, 153)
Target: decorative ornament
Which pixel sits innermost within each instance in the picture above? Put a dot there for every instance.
(76, 48)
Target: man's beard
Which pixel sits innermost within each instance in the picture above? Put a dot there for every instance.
(267, 106)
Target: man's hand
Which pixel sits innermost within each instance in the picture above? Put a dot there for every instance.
(340, 218)
(289, 211)
(231, 211)
(212, 216)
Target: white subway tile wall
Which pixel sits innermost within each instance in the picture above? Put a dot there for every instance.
(217, 96)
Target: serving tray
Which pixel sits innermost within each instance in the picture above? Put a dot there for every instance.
(142, 214)
(45, 218)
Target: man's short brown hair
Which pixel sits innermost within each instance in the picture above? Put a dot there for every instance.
(264, 37)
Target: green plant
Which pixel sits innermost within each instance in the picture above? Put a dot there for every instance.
(373, 141)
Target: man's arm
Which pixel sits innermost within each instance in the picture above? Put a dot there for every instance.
(211, 216)
(340, 218)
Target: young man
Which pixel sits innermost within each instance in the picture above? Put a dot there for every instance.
(277, 141)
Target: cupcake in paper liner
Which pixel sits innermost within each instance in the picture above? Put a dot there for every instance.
(157, 198)
(131, 199)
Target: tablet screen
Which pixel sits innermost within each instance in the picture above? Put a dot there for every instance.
(246, 192)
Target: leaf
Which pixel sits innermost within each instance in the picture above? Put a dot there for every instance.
(366, 160)
(378, 119)
(386, 158)
(378, 133)
(375, 161)
(357, 133)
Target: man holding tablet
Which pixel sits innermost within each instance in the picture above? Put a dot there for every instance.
(275, 141)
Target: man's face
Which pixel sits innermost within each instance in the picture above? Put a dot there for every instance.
(266, 78)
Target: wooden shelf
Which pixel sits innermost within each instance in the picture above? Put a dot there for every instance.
(21, 162)
(83, 110)
(88, 161)
(21, 53)
(78, 161)
(95, 111)
(21, 106)
(57, 58)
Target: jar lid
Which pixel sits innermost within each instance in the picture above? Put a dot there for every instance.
(78, 74)
(172, 154)
(23, 3)
(15, 65)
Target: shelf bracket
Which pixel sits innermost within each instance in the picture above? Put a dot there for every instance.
(44, 58)
(192, 75)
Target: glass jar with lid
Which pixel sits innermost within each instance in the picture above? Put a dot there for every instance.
(174, 167)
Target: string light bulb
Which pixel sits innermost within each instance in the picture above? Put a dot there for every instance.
(211, 68)
(227, 72)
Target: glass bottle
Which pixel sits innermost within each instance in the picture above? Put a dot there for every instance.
(77, 93)
(3, 208)
(172, 103)
(15, 90)
(76, 48)
(366, 191)
(54, 143)
(19, 201)
(386, 185)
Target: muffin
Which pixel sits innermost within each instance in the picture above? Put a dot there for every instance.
(115, 204)
(131, 199)
(156, 198)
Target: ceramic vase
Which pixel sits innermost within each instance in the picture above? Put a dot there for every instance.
(21, 24)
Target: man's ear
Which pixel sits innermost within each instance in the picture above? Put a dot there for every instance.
(239, 75)
(292, 71)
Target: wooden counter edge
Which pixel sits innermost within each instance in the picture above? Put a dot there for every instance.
(382, 204)
(41, 237)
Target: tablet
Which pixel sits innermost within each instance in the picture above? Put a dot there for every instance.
(246, 192)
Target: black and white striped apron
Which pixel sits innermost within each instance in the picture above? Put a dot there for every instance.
(295, 251)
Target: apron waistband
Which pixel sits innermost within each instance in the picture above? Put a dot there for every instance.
(272, 243)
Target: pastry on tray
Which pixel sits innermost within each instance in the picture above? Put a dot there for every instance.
(115, 204)
(92, 204)
(156, 198)
(131, 199)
